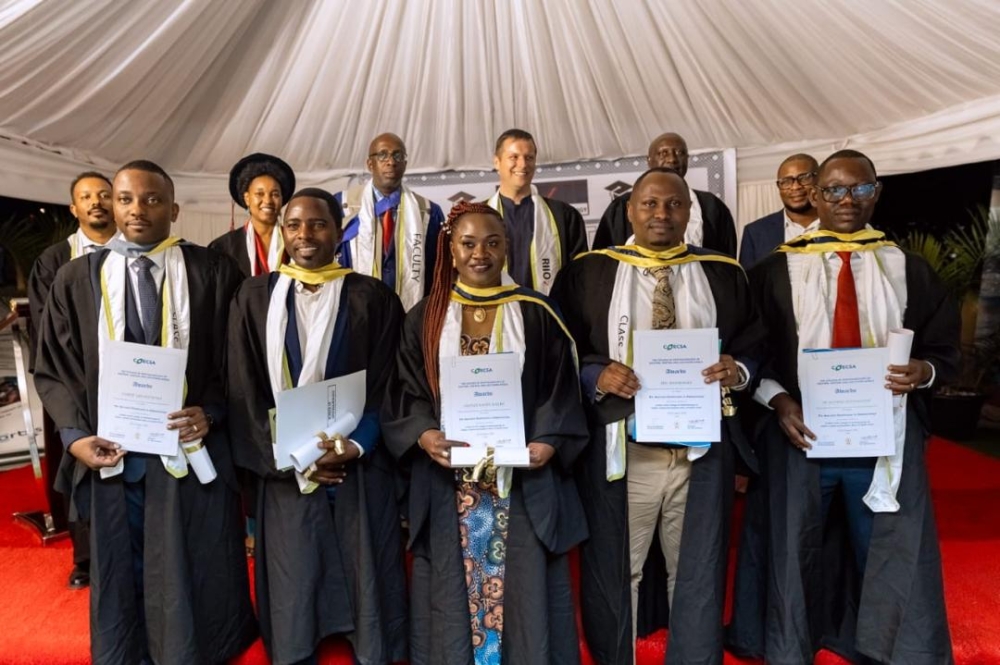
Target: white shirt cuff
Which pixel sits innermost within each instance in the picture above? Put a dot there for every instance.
(930, 381)
(742, 386)
(361, 451)
(766, 391)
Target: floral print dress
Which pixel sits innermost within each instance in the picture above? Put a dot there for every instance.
(483, 522)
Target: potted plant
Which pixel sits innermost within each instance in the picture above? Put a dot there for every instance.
(959, 259)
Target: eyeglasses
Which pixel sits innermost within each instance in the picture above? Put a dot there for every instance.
(862, 192)
(383, 156)
(803, 179)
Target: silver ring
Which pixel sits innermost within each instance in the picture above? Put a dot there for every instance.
(195, 428)
(446, 454)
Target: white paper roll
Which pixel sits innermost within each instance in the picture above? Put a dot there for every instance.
(899, 343)
(306, 455)
(199, 459)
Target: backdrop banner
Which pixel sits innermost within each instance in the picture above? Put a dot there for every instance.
(588, 186)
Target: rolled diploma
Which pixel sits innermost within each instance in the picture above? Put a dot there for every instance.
(899, 343)
(199, 459)
(306, 455)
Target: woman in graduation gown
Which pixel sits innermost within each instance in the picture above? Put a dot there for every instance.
(260, 184)
(490, 573)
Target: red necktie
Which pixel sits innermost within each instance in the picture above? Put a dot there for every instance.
(846, 326)
(386, 231)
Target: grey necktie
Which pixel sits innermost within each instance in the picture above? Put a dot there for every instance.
(147, 296)
(664, 309)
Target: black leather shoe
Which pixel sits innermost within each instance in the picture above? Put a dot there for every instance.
(79, 578)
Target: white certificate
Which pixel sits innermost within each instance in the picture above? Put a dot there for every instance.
(138, 386)
(674, 404)
(845, 402)
(481, 405)
(305, 412)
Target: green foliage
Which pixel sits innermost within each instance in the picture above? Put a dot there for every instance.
(958, 257)
(25, 237)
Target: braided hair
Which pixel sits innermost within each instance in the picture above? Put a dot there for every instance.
(441, 283)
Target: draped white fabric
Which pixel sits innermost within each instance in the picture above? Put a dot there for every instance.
(196, 84)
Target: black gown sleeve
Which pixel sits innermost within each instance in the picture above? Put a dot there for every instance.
(409, 408)
(613, 227)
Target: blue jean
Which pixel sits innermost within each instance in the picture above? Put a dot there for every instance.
(854, 477)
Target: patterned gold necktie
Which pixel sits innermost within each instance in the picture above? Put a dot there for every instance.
(664, 310)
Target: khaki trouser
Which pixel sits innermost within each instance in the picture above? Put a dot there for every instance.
(657, 495)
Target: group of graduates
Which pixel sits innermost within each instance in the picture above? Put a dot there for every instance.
(835, 553)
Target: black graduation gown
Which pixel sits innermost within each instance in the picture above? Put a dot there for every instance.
(68, 472)
(312, 564)
(197, 601)
(717, 224)
(572, 238)
(583, 292)
(900, 617)
(546, 517)
(234, 245)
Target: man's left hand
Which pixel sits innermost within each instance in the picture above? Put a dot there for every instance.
(192, 423)
(725, 372)
(539, 454)
(904, 379)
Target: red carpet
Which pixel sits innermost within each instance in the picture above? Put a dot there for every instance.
(43, 623)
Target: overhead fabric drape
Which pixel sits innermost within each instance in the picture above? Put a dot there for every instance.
(195, 86)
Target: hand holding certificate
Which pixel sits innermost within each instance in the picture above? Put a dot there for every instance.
(139, 387)
(675, 405)
(481, 405)
(845, 403)
(315, 412)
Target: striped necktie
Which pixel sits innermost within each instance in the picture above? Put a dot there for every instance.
(147, 297)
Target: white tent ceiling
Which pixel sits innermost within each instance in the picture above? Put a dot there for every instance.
(196, 84)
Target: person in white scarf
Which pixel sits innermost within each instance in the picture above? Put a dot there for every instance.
(390, 231)
(329, 549)
(490, 577)
(90, 195)
(260, 184)
(543, 233)
(168, 567)
(631, 489)
(885, 576)
(711, 224)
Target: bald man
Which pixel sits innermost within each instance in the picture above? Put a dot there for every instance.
(711, 225)
(390, 232)
(796, 176)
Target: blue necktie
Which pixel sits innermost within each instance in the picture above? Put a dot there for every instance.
(147, 296)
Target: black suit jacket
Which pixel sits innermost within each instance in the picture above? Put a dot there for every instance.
(719, 229)
(760, 237)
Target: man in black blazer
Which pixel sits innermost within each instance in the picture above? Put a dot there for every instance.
(711, 224)
(796, 176)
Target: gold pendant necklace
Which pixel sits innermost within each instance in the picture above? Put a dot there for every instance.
(479, 314)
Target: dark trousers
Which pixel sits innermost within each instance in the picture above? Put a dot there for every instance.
(853, 476)
(135, 507)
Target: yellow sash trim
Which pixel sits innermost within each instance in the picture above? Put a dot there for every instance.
(497, 297)
(652, 259)
(314, 276)
(864, 240)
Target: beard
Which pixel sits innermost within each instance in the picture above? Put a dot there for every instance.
(799, 209)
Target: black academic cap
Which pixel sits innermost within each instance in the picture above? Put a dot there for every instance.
(258, 164)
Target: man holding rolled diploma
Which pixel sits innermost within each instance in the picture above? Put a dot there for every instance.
(329, 548)
(633, 487)
(860, 574)
(168, 572)
(490, 566)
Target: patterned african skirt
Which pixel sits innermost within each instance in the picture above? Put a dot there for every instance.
(482, 523)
